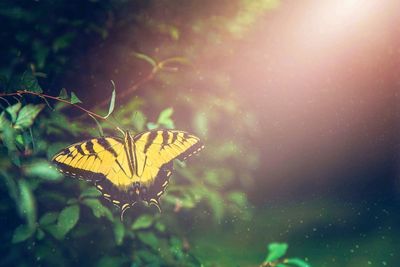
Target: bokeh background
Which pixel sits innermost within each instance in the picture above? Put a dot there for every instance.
(296, 101)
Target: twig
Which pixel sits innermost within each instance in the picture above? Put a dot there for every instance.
(91, 113)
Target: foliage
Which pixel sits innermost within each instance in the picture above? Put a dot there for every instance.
(57, 221)
(274, 257)
(51, 210)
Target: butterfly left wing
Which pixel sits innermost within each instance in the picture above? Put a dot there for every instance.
(154, 153)
(101, 161)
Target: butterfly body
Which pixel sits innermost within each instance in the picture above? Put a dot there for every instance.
(136, 168)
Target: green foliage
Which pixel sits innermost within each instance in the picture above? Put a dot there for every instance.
(75, 99)
(67, 219)
(64, 217)
(274, 257)
(144, 221)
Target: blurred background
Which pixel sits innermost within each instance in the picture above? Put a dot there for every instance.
(296, 101)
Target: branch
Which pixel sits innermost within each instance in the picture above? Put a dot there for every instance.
(90, 113)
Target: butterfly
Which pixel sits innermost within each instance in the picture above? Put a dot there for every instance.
(126, 171)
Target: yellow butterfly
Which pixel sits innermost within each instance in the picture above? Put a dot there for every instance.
(136, 168)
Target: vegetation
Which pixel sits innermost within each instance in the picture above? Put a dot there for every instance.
(50, 220)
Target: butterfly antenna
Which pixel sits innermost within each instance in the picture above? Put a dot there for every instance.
(122, 131)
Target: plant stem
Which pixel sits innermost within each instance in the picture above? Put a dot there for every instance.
(24, 92)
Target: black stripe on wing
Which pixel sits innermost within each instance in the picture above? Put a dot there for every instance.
(194, 149)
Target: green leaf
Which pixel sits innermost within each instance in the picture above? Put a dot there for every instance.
(112, 101)
(4, 122)
(48, 218)
(63, 94)
(63, 41)
(22, 233)
(72, 201)
(27, 204)
(297, 262)
(27, 115)
(67, 220)
(276, 251)
(13, 111)
(165, 118)
(98, 209)
(149, 239)
(152, 126)
(238, 198)
(29, 82)
(142, 222)
(217, 205)
(42, 169)
(75, 99)
(39, 234)
(160, 227)
(119, 232)
(90, 192)
(176, 247)
(146, 58)
(8, 138)
(139, 121)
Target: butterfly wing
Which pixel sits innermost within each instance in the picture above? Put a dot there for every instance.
(154, 153)
(101, 161)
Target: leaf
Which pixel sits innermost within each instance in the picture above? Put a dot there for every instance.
(90, 192)
(3, 121)
(27, 203)
(119, 232)
(160, 227)
(39, 234)
(152, 126)
(75, 99)
(42, 169)
(112, 101)
(22, 233)
(297, 262)
(165, 115)
(165, 118)
(13, 111)
(176, 247)
(142, 222)
(29, 82)
(276, 251)
(239, 198)
(146, 58)
(8, 138)
(63, 94)
(27, 115)
(139, 121)
(48, 218)
(98, 209)
(149, 239)
(217, 205)
(67, 220)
